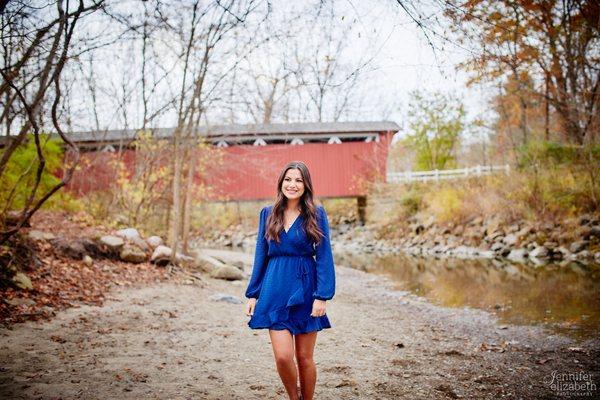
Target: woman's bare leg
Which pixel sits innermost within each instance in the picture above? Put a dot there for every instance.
(305, 346)
(283, 350)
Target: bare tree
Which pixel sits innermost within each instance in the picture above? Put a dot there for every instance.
(205, 35)
(31, 81)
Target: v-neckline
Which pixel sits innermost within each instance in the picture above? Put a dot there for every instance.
(292, 225)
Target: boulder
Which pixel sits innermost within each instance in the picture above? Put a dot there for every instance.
(133, 254)
(239, 264)
(22, 281)
(113, 243)
(142, 244)
(523, 232)
(517, 255)
(477, 221)
(228, 298)
(128, 233)
(513, 228)
(418, 229)
(186, 261)
(154, 241)
(237, 239)
(472, 234)
(497, 235)
(585, 255)
(510, 239)
(20, 302)
(458, 230)
(12, 218)
(578, 246)
(561, 252)
(39, 235)
(73, 249)
(497, 246)
(585, 219)
(539, 252)
(207, 263)
(87, 260)
(161, 255)
(227, 272)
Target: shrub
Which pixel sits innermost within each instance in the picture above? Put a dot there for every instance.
(17, 180)
(445, 203)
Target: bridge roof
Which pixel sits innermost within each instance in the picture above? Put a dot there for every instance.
(216, 132)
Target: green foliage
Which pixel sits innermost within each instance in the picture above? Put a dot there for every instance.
(411, 201)
(562, 178)
(340, 208)
(18, 179)
(552, 153)
(436, 122)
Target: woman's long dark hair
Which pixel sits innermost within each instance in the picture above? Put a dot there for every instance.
(308, 209)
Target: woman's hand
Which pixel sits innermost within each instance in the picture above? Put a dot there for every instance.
(318, 309)
(250, 306)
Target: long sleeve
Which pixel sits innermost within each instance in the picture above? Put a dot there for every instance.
(260, 258)
(325, 269)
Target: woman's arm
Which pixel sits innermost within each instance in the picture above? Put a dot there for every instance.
(260, 258)
(325, 269)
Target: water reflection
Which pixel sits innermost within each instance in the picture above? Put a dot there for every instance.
(566, 298)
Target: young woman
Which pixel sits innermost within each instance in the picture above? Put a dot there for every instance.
(289, 288)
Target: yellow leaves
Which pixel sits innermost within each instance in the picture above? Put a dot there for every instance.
(445, 204)
(495, 16)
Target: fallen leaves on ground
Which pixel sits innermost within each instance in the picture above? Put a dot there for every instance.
(60, 282)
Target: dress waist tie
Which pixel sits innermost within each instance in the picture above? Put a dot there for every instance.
(301, 281)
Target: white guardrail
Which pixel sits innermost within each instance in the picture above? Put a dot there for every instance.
(440, 174)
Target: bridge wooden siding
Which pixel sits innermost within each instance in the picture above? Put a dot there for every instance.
(337, 170)
(342, 158)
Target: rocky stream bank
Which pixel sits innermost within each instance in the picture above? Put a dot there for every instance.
(575, 240)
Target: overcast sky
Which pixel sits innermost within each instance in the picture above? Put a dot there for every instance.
(406, 61)
(401, 60)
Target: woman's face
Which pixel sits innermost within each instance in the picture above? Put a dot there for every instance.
(293, 184)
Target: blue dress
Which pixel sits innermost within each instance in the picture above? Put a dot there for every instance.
(288, 276)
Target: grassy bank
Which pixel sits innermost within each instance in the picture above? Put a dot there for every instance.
(558, 194)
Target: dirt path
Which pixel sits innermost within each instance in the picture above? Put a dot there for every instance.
(169, 341)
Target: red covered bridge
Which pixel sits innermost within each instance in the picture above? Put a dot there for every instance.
(342, 157)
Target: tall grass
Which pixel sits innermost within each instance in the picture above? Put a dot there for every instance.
(550, 183)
